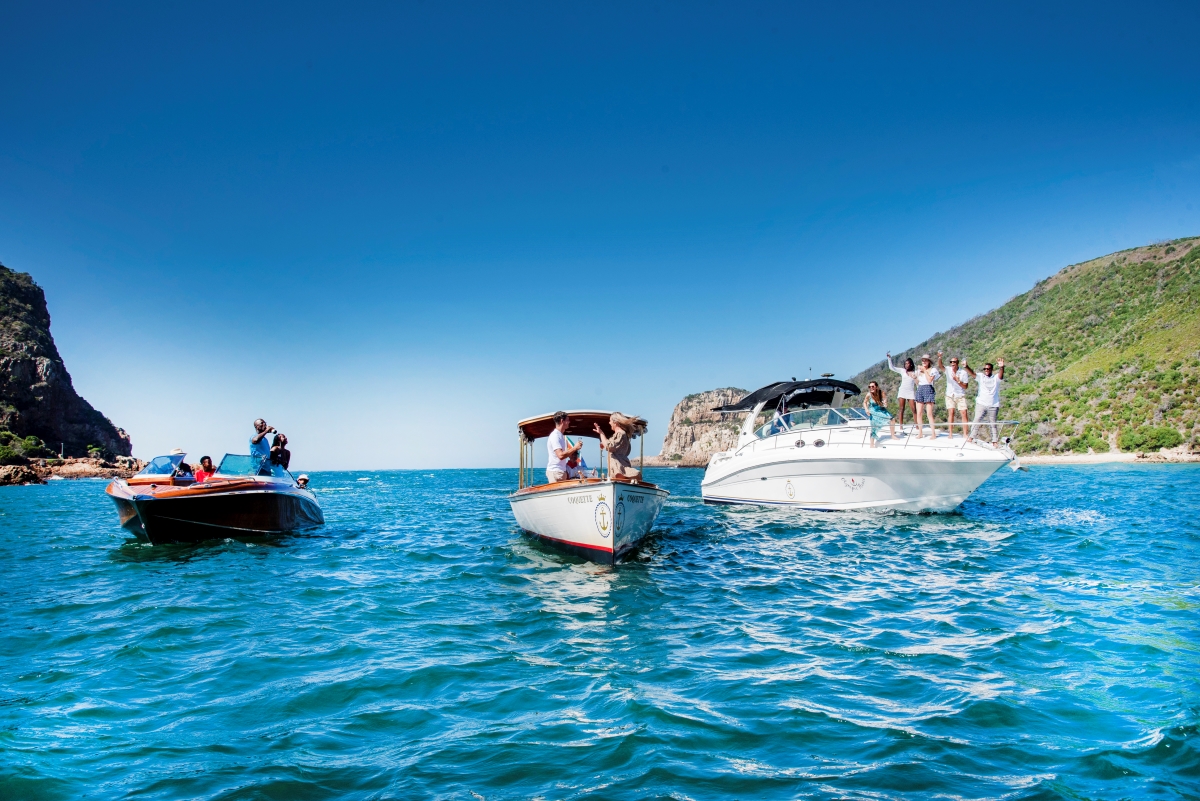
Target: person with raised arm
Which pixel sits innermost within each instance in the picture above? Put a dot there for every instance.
(927, 374)
(559, 450)
(618, 445)
(957, 379)
(907, 393)
(987, 401)
(259, 446)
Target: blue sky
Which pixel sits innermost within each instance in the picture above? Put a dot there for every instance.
(394, 229)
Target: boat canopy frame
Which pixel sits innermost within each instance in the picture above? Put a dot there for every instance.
(581, 424)
(799, 394)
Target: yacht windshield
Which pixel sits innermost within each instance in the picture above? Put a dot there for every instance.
(803, 419)
(162, 465)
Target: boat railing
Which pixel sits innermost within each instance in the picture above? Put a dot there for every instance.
(906, 434)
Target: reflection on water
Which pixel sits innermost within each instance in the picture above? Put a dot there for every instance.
(1039, 643)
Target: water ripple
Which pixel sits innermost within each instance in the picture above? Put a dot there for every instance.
(1039, 644)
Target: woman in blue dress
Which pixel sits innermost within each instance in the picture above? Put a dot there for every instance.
(875, 404)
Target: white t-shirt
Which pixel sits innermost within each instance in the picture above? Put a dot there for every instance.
(989, 390)
(927, 376)
(953, 389)
(556, 442)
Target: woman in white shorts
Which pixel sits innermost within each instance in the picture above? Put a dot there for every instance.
(908, 392)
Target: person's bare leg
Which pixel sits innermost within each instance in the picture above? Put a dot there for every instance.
(950, 421)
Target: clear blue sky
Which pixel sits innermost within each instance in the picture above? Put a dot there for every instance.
(393, 230)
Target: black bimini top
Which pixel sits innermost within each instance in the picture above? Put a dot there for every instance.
(797, 393)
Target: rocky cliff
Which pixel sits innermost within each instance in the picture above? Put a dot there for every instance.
(37, 399)
(696, 432)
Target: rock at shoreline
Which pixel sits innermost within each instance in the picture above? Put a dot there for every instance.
(36, 395)
(696, 432)
(13, 474)
(121, 467)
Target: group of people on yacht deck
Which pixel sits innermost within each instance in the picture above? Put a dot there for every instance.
(917, 387)
(566, 459)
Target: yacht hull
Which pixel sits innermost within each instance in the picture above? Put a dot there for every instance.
(219, 510)
(602, 521)
(923, 479)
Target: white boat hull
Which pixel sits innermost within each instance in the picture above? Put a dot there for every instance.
(929, 476)
(598, 520)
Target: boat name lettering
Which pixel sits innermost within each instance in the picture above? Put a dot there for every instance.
(636, 499)
(580, 499)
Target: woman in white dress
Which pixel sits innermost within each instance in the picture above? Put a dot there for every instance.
(908, 390)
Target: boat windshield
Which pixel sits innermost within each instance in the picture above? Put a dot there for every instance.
(804, 419)
(235, 464)
(162, 465)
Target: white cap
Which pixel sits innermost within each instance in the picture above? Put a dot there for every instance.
(176, 452)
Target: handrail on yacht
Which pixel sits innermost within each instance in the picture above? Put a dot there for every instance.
(1003, 430)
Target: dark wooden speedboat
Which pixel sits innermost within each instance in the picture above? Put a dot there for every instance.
(246, 498)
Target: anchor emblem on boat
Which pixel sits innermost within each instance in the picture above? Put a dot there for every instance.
(603, 518)
(791, 491)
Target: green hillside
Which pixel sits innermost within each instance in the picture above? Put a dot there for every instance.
(1103, 355)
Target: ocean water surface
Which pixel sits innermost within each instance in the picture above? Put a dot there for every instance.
(1042, 643)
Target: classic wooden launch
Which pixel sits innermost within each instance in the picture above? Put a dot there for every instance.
(246, 498)
(601, 518)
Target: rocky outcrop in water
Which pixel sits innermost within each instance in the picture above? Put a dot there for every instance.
(11, 474)
(36, 395)
(696, 432)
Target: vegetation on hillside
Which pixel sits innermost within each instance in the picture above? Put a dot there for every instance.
(1104, 355)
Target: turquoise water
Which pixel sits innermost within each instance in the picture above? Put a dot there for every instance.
(1044, 643)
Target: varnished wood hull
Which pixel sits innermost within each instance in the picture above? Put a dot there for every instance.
(197, 514)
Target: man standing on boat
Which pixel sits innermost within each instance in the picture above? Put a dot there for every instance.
(560, 451)
(987, 403)
(259, 446)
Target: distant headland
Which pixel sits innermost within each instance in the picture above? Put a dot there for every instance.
(41, 414)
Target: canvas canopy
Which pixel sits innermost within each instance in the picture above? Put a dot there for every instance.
(798, 394)
(580, 425)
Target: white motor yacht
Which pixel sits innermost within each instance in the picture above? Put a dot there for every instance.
(815, 453)
(599, 517)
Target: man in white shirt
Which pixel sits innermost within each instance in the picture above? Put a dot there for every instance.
(957, 379)
(559, 450)
(987, 402)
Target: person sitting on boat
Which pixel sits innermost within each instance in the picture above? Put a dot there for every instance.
(280, 455)
(779, 420)
(576, 466)
(875, 404)
(206, 469)
(258, 443)
(559, 450)
(618, 445)
(302, 481)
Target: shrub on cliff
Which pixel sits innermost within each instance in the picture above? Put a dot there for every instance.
(1149, 438)
(8, 456)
